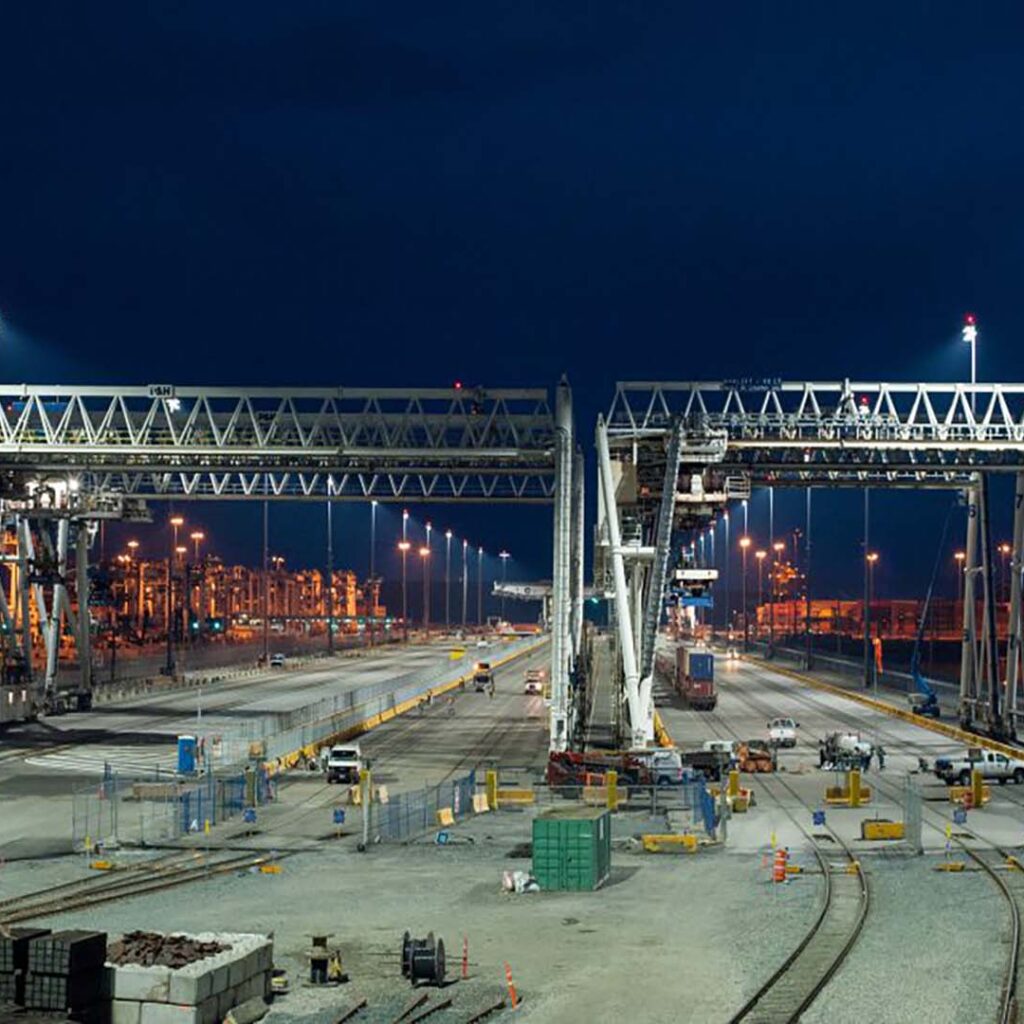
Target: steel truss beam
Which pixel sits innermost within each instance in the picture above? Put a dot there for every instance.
(835, 433)
(422, 445)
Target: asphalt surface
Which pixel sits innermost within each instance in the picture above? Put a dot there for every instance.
(41, 765)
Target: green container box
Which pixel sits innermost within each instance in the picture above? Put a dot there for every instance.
(572, 848)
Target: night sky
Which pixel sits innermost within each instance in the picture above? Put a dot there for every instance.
(406, 194)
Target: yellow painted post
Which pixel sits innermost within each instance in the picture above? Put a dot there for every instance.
(734, 784)
(853, 786)
(491, 788)
(612, 784)
(977, 787)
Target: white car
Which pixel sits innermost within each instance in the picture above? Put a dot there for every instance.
(482, 643)
(277, 661)
(782, 732)
(534, 683)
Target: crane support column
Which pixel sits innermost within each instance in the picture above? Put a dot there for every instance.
(968, 648)
(82, 589)
(994, 718)
(578, 544)
(641, 722)
(24, 556)
(561, 576)
(1013, 625)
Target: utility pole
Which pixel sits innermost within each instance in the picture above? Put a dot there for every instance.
(480, 586)
(330, 580)
(448, 579)
(807, 583)
(867, 585)
(744, 548)
(771, 573)
(266, 577)
(728, 558)
(465, 582)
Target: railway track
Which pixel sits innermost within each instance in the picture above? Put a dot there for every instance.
(164, 873)
(802, 976)
(1002, 867)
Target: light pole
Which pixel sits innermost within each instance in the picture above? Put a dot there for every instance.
(745, 504)
(872, 560)
(744, 548)
(480, 586)
(133, 547)
(728, 557)
(959, 558)
(374, 589)
(773, 585)
(465, 582)
(448, 579)
(177, 522)
(504, 556)
(760, 556)
(425, 559)
(197, 537)
(403, 546)
(969, 333)
(771, 575)
(867, 598)
(426, 584)
(329, 595)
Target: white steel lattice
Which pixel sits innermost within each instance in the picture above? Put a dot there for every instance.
(390, 444)
(834, 432)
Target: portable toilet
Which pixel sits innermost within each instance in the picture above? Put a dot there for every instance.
(186, 755)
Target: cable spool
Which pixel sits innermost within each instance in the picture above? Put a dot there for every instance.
(423, 959)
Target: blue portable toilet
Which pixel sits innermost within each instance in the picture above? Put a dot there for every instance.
(186, 755)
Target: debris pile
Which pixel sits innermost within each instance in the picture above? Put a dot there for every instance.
(151, 949)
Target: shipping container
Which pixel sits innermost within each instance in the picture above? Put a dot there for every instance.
(572, 848)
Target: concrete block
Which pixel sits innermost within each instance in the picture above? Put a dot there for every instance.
(144, 984)
(169, 1013)
(219, 979)
(242, 969)
(125, 1011)
(193, 983)
(209, 1011)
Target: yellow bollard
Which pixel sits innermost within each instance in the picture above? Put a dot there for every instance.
(734, 784)
(853, 785)
(611, 781)
(491, 789)
(977, 788)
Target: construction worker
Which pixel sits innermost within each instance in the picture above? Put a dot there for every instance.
(880, 752)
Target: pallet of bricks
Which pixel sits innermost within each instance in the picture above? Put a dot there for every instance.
(56, 971)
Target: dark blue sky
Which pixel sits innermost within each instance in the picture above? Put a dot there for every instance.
(406, 194)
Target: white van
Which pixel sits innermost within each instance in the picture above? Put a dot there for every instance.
(344, 763)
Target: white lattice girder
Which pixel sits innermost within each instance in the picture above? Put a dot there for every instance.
(437, 444)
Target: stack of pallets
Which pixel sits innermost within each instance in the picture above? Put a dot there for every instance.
(65, 971)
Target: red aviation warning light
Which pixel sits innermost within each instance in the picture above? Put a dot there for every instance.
(969, 331)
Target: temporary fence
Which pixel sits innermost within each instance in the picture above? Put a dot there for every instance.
(407, 815)
(146, 811)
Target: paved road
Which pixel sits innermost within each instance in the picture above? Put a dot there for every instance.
(750, 694)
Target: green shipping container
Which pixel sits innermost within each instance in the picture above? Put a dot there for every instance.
(572, 848)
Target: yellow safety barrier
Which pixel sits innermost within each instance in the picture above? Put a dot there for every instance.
(597, 796)
(480, 804)
(445, 816)
(491, 789)
(950, 865)
(969, 739)
(853, 794)
(101, 865)
(977, 788)
(270, 869)
(881, 828)
(966, 794)
(612, 786)
(671, 843)
(516, 796)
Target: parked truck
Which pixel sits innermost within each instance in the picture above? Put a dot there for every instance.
(344, 763)
(991, 764)
(691, 671)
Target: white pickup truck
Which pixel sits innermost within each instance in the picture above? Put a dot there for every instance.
(344, 763)
(992, 765)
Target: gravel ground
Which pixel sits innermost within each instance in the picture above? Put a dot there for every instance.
(700, 931)
(933, 943)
